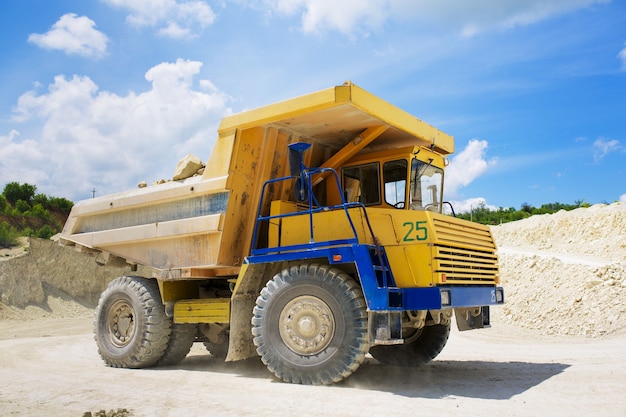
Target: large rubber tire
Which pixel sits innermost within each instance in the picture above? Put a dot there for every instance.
(419, 348)
(310, 325)
(180, 342)
(218, 350)
(215, 338)
(130, 325)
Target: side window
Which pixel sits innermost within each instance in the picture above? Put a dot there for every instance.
(361, 183)
(394, 176)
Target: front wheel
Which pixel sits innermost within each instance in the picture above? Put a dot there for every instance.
(310, 325)
(130, 325)
(420, 347)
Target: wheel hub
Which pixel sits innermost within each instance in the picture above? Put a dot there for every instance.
(121, 323)
(307, 325)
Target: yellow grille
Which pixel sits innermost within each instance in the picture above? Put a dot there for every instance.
(464, 253)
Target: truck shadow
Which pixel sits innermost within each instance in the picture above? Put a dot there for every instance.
(438, 379)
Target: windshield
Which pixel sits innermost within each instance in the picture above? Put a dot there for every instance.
(426, 186)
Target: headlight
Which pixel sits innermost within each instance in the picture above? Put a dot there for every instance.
(445, 298)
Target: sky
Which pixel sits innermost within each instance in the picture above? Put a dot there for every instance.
(102, 94)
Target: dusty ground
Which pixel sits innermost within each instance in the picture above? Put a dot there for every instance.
(50, 367)
(557, 347)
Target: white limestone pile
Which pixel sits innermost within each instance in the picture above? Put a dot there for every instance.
(565, 273)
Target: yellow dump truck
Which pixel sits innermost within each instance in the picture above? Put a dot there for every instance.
(315, 235)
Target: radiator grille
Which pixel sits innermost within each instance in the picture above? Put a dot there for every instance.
(464, 253)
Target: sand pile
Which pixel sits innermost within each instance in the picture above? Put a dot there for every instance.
(565, 273)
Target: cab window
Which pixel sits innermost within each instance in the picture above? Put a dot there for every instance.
(394, 176)
(361, 183)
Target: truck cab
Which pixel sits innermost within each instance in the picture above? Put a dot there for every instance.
(407, 179)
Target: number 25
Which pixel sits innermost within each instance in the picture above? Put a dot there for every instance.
(417, 231)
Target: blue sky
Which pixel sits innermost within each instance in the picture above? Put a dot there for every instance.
(104, 94)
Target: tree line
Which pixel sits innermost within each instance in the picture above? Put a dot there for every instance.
(485, 215)
(24, 212)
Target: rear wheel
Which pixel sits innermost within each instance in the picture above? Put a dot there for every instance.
(130, 325)
(214, 337)
(219, 350)
(420, 347)
(180, 342)
(310, 325)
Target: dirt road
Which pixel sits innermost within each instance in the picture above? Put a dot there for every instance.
(50, 367)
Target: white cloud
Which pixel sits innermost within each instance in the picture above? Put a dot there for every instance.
(622, 57)
(478, 16)
(171, 18)
(602, 147)
(92, 138)
(466, 166)
(465, 17)
(347, 16)
(173, 30)
(6, 140)
(14, 154)
(73, 34)
(344, 16)
(466, 206)
(622, 198)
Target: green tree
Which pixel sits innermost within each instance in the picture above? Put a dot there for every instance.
(45, 232)
(11, 211)
(62, 204)
(8, 235)
(41, 199)
(39, 212)
(22, 206)
(527, 208)
(15, 191)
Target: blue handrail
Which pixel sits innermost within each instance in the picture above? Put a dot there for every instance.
(314, 207)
